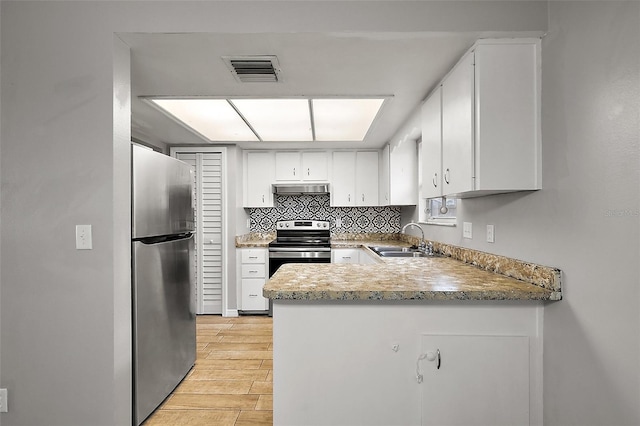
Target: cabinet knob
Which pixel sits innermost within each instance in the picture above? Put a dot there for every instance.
(349, 197)
(294, 171)
(435, 180)
(446, 176)
(362, 197)
(263, 198)
(308, 171)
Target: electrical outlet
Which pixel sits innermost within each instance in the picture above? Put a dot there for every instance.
(3, 401)
(338, 222)
(491, 236)
(248, 223)
(83, 237)
(467, 230)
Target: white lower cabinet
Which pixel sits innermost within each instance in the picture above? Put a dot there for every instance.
(464, 370)
(253, 272)
(490, 362)
(345, 255)
(352, 255)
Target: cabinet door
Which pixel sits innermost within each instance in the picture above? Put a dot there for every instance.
(367, 178)
(259, 175)
(457, 128)
(384, 183)
(343, 179)
(488, 374)
(288, 166)
(315, 166)
(403, 175)
(432, 145)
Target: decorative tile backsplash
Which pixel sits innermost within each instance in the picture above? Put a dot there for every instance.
(316, 207)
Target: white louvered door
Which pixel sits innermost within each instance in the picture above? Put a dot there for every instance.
(208, 194)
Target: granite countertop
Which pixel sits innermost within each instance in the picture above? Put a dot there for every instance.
(255, 239)
(489, 277)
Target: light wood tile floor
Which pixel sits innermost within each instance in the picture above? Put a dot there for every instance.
(231, 383)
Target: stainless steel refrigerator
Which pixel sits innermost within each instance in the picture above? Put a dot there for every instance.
(164, 328)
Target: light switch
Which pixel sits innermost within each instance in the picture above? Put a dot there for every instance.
(467, 230)
(491, 236)
(83, 237)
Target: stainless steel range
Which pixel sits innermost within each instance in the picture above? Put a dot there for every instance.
(300, 241)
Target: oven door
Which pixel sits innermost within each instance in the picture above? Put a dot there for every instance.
(281, 255)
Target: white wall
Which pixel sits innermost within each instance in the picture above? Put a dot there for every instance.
(65, 354)
(586, 218)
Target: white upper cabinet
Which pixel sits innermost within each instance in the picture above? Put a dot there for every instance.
(354, 178)
(288, 166)
(399, 173)
(302, 166)
(432, 145)
(457, 128)
(315, 166)
(489, 127)
(343, 179)
(367, 178)
(385, 185)
(259, 174)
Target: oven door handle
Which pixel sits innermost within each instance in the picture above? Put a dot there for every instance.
(300, 255)
(299, 249)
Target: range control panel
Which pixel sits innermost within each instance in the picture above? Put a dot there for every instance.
(302, 224)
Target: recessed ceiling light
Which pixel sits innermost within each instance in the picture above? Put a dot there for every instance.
(215, 119)
(275, 120)
(344, 119)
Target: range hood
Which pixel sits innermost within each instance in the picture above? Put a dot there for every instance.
(300, 188)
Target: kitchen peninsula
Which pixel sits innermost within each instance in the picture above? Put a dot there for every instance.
(409, 341)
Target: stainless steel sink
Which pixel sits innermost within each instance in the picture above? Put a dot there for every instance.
(379, 249)
(406, 254)
(400, 252)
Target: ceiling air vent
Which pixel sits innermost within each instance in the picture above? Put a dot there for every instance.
(254, 69)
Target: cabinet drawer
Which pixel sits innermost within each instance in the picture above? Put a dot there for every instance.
(345, 255)
(254, 271)
(254, 256)
(252, 299)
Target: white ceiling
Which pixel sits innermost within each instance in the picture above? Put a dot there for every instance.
(405, 66)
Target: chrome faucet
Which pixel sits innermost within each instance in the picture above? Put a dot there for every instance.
(422, 246)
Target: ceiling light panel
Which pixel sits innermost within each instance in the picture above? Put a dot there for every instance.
(344, 119)
(213, 118)
(277, 120)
